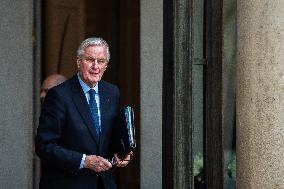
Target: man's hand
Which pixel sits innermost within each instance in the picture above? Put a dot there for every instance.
(123, 162)
(97, 163)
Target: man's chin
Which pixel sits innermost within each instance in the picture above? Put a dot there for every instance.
(95, 78)
(95, 81)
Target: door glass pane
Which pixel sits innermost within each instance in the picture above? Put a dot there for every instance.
(197, 92)
(229, 76)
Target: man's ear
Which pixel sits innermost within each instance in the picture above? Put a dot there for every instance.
(78, 63)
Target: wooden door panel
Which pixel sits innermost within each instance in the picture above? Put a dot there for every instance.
(64, 30)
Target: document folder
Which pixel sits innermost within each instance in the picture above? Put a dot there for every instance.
(127, 131)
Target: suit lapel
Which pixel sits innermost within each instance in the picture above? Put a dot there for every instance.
(104, 103)
(83, 108)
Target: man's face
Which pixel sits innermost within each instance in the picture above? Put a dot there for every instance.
(43, 92)
(47, 84)
(92, 65)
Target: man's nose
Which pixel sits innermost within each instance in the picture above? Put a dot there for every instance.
(95, 64)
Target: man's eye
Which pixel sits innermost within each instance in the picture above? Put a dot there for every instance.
(89, 60)
(101, 61)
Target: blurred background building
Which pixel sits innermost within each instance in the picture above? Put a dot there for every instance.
(205, 77)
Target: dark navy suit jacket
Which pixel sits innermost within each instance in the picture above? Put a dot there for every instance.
(66, 132)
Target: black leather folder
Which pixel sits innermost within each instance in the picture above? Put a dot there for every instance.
(126, 131)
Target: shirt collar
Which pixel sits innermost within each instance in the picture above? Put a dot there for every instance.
(85, 87)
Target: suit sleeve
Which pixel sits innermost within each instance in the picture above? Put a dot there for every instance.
(49, 134)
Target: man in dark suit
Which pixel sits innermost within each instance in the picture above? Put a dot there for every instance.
(74, 137)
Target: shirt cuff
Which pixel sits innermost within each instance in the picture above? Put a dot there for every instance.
(82, 161)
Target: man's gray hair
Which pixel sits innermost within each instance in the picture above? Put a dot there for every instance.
(94, 41)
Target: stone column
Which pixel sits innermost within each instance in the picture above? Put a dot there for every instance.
(17, 82)
(151, 38)
(260, 94)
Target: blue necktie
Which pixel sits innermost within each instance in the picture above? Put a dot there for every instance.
(94, 110)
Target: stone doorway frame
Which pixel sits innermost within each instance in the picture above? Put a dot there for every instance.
(177, 95)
